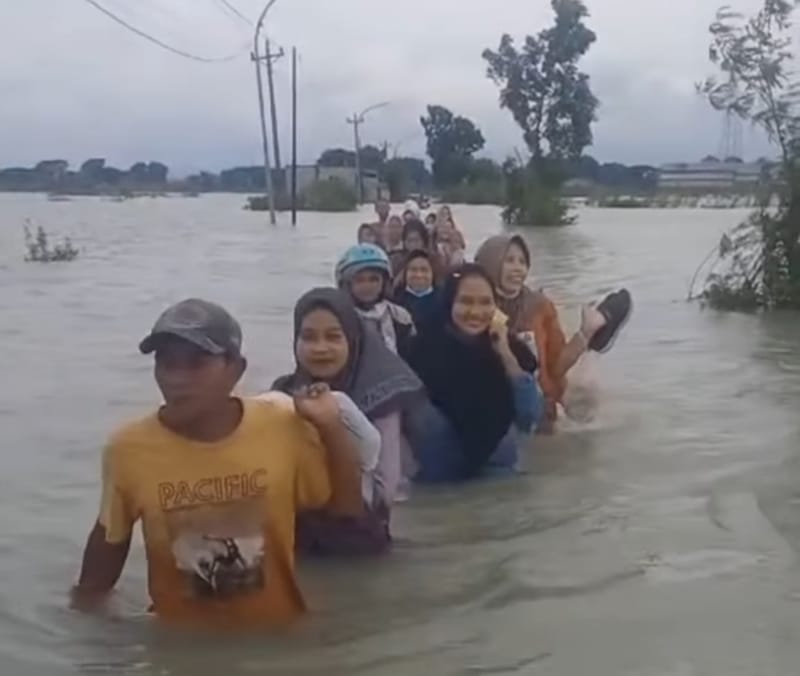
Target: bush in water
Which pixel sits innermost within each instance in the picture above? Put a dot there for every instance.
(760, 260)
(39, 250)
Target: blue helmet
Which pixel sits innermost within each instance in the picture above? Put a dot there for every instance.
(362, 257)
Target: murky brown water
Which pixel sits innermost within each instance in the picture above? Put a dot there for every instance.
(659, 541)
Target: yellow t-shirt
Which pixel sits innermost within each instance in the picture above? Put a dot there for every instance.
(218, 519)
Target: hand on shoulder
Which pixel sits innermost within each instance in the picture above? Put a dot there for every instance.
(317, 405)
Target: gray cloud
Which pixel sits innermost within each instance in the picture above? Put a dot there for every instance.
(74, 84)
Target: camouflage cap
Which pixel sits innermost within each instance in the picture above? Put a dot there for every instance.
(204, 324)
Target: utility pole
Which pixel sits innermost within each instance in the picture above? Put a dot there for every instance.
(294, 135)
(269, 58)
(256, 57)
(357, 120)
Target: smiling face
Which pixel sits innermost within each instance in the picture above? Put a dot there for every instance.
(474, 306)
(322, 349)
(514, 270)
(419, 274)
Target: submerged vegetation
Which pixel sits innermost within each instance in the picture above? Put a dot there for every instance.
(40, 251)
(757, 266)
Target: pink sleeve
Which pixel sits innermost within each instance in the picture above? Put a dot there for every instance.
(390, 464)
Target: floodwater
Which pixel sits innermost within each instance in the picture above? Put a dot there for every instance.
(660, 540)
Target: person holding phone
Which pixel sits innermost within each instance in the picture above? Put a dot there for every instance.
(481, 383)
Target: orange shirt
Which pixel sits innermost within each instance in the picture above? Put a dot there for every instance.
(218, 519)
(542, 321)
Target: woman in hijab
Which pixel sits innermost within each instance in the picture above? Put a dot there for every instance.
(480, 383)
(532, 316)
(334, 347)
(449, 242)
(416, 290)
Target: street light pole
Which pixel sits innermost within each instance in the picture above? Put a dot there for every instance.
(356, 121)
(273, 113)
(264, 138)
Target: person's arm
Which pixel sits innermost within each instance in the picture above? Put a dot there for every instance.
(342, 457)
(367, 439)
(570, 354)
(109, 541)
(528, 407)
(390, 466)
(100, 569)
(500, 341)
(318, 406)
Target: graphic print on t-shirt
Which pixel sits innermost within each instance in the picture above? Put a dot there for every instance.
(216, 529)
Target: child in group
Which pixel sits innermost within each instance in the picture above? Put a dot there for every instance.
(416, 291)
(217, 482)
(364, 273)
(416, 237)
(507, 261)
(333, 346)
(367, 234)
(480, 381)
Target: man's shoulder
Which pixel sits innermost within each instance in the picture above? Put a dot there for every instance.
(274, 411)
(135, 431)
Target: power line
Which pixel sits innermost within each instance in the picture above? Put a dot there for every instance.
(156, 41)
(233, 10)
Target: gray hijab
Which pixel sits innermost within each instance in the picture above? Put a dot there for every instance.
(376, 379)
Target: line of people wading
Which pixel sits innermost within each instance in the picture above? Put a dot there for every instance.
(414, 367)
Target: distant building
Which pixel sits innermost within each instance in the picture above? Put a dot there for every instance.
(711, 174)
(308, 174)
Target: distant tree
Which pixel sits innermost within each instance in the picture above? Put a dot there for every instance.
(372, 158)
(111, 176)
(452, 140)
(542, 87)
(203, 182)
(710, 159)
(733, 159)
(51, 167)
(91, 170)
(157, 173)
(484, 169)
(138, 173)
(404, 175)
(553, 104)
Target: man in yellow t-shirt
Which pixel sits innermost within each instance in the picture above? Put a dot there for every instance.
(217, 482)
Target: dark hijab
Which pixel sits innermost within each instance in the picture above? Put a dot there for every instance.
(465, 377)
(376, 379)
(418, 227)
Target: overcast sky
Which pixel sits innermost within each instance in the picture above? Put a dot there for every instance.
(73, 84)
